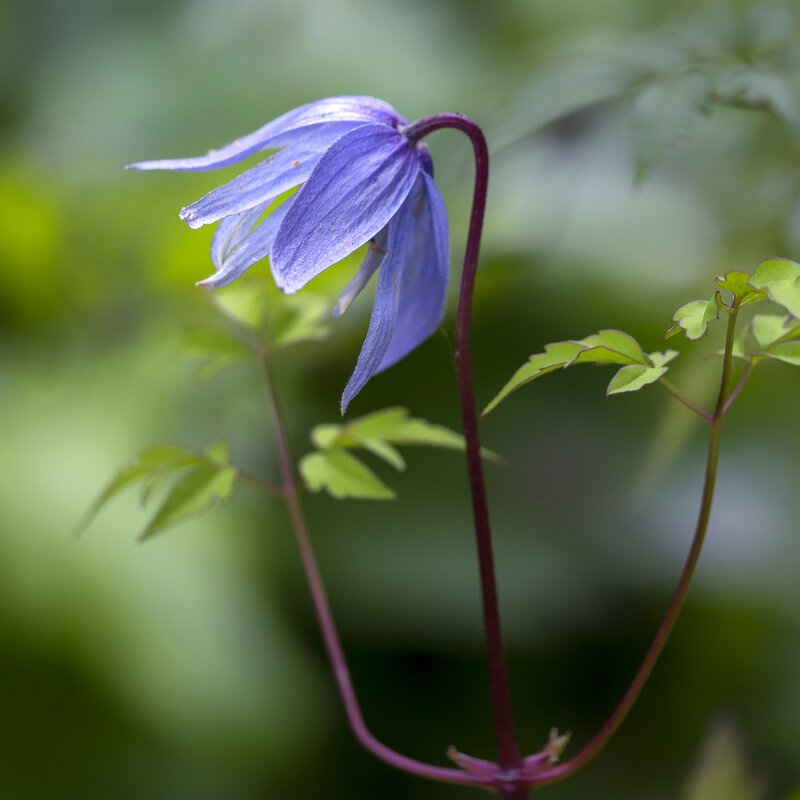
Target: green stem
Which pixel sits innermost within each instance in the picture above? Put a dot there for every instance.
(690, 404)
(670, 618)
(258, 483)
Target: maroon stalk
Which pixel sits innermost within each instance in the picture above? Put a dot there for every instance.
(671, 616)
(327, 625)
(507, 750)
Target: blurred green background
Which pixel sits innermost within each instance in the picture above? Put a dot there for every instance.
(190, 667)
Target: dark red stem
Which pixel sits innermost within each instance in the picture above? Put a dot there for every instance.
(507, 750)
(341, 672)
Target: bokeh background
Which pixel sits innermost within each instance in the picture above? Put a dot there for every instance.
(190, 667)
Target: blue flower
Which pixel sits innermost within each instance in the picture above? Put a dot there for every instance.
(363, 181)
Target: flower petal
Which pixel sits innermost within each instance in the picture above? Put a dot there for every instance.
(353, 192)
(399, 248)
(371, 262)
(253, 247)
(423, 287)
(230, 232)
(281, 131)
(265, 181)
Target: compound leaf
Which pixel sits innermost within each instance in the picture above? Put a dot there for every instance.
(662, 115)
(197, 491)
(693, 318)
(738, 283)
(342, 475)
(780, 278)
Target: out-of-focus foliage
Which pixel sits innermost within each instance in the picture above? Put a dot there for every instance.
(190, 667)
(335, 469)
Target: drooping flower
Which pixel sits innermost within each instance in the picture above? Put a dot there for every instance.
(363, 181)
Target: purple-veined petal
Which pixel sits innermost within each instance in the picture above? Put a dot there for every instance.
(280, 131)
(371, 262)
(353, 192)
(230, 232)
(265, 181)
(253, 247)
(423, 287)
(399, 249)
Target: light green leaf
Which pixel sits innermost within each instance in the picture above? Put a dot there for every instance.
(246, 301)
(780, 278)
(218, 348)
(738, 283)
(555, 355)
(618, 343)
(326, 436)
(788, 352)
(122, 479)
(162, 457)
(693, 318)
(342, 475)
(662, 115)
(193, 494)
(633, 377)
(722, 773)
(606, 347)
(757, 89)
(395, 425)
(302, 317)
(762, 334)
(218, 453)
(768, 329)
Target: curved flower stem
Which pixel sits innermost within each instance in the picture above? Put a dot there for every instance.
(291, 495)
(507, 750)
(668, 623)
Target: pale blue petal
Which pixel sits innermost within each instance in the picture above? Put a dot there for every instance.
(263, 182)
(399, 249)
(231, 231)
(353, 192)
(255, 246)
(371, 262)
(282, 131)
(423, 288)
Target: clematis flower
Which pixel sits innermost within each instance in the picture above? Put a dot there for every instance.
(362, 181)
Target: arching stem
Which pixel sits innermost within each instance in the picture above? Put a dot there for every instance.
(670, 618)
(330, 636)
(507, 750)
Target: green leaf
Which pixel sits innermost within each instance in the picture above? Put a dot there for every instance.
(246, 302)
(218, 452)
(555, 355)
(738, 283)
(395, 425)
(169, 457)
(780, 278)
(758, 89)
(606, 347)
(788, 352)
(342, 475)
(633, 377)
(610, 346)
(693, 318)
(763, 334)
(193, 494)
(662, 115)
(722, 773)
(122, 479)
(162, 461)
(302, 317)
(217, 348)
